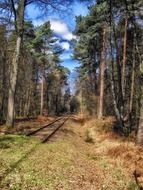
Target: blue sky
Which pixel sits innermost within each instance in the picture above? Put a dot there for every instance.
(63, 26)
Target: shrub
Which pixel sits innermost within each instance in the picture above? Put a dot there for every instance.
(90, 135)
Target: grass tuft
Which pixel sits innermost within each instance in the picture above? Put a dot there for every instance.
(90, 135)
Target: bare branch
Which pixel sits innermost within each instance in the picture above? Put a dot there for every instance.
(14, 12)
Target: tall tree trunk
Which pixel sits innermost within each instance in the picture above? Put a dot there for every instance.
(56, 103)
(20, 108)
(112, 81)
(132, 78)
(42, 95)
(112, 78)
(12, 84)
(27, 103)
(81, 100)
(124, 56)
(14, 65)
(140, 127)
(102, 69)
(120, 103)
(3, 98)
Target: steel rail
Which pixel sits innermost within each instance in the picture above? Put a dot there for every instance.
(43, 127)
(54, 131)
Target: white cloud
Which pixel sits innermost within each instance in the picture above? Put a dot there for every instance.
(65, 45)
(61, 29)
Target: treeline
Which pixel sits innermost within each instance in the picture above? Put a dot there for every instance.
(109, 48)
(31, 76)
(41, 78)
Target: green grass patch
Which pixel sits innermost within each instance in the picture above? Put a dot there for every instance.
(12, 149)
(44, 168)
(132, 186)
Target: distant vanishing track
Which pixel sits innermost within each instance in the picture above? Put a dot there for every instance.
(45, 132)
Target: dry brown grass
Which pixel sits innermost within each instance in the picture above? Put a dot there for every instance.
(80, 119)
(122, 151)
(43, 118)
(23, 126)
(131, 157)
(96, 127)
(105, 124)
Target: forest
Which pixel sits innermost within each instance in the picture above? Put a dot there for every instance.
(48, 119)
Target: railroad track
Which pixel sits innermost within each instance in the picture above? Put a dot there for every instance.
(45, 132)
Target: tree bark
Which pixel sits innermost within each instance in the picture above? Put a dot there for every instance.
(112, 77)
(124, 57)
(114, 91)
(14, 65)
(112, 81)
(102, 69)
(119, 80)
(3, 98)
(12, 84)
(140, 127)
(133, 78)
(27, 103)
(81, 101)
(42, 95)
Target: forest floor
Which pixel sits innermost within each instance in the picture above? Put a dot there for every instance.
(85, 155)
